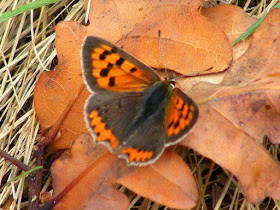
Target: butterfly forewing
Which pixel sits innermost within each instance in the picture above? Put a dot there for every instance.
(108, 67)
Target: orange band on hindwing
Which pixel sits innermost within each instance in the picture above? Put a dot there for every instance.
(100, 130)
(137, 155)
(179, 115)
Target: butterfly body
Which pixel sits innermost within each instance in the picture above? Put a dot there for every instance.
(132, 111)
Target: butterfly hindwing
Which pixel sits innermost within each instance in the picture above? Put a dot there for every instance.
(146, 143)
(117, 121)
(109, 115)
(181, 115)
(108, 67)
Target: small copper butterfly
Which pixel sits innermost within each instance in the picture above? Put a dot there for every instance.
(132, 111)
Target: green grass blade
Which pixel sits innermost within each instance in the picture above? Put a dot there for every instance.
(252, 28)
(20, 176)
(25, 8)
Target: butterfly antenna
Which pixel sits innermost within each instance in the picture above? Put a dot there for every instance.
(177, 77)
(162, 53)
(183, 75)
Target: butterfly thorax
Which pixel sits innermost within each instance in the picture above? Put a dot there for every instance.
(155, 100)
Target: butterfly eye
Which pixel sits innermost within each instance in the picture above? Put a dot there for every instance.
(172, 83)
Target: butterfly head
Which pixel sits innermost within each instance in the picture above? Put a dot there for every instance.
(170, 82)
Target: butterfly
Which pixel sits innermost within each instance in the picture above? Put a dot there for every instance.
(131, 110)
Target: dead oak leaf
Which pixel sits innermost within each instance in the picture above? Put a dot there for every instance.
(84, 182)
(191, 43)
(233, 21)
(236, 114)
(87, 172)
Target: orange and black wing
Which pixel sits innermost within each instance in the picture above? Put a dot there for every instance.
(108, 67)
(181, 115)
(113, 117)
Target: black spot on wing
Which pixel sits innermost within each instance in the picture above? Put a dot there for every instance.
(107, 53)
(187, 115)
(112, 81)
(133, 70)
(120, 61)
(170, 124)
(102, 57)
(109, 66)
(104, 72)
(176, 124)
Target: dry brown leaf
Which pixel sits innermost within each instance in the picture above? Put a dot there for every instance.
(192, 44)
(90, 182)
(90, 172)
(233, 21)
(168, 181)
(236, 114)
(115, 21)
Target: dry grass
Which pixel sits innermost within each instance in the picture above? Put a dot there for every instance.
(27, 49)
